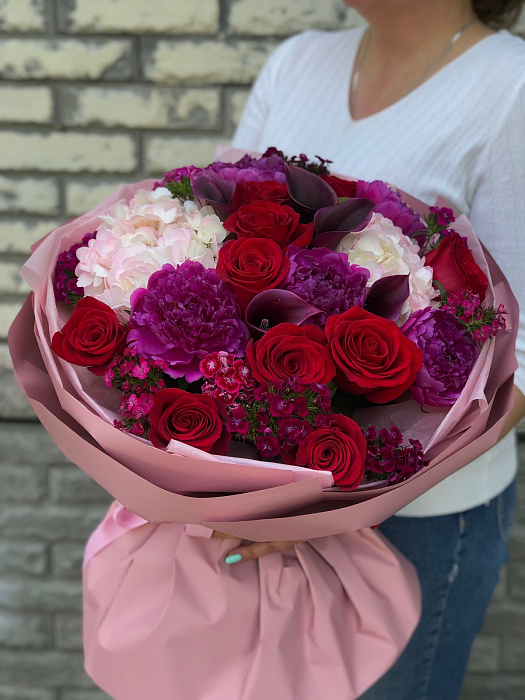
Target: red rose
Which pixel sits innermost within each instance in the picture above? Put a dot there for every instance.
(251, 191)
(189, 418)
(342, 188)
(278, 222)
(251, 265)
(291, 351)
(340, 448)
(91, 337)
(372, 356)
(455, 268)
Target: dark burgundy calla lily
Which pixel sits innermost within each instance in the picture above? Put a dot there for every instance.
(332, 224)
(387, 296)
(308, 192)
(274, 306)
(217, 192)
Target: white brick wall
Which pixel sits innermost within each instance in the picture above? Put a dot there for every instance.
(94, 93)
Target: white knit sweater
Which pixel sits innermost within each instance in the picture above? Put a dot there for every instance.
(459, 135)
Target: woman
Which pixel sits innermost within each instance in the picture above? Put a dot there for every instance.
(429, 97)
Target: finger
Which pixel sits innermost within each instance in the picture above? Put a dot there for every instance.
(256, 550)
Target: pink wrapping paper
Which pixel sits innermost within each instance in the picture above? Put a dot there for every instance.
(166, 618)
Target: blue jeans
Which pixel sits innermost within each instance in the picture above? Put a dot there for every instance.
(458, 558)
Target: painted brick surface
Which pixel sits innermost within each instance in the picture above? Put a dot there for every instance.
(95, 93)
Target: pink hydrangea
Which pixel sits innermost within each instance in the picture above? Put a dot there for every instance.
(138, 238)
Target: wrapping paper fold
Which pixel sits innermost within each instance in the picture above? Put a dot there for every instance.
(165, 618)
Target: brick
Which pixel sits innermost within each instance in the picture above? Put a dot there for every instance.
(67, 558)
(23, 16)
(83, 695)
(137, 16)
(68, 631)
(13, 404)
(72, 152)
(513, 658)
(30, 630)
(32, 105)
(497, 687)
(65, 59)
(30, 195)
(17, 236)
(236, 104)
(50, 523)
(40, 595)
(485, 654)
(68, 485)
(26, 694)
(274, 17)
(28, 558)
(517, 580)
(28, 444)
(8, 311)
(50, 669)
(169, 61)
(10, 280)
(85, 194)
(22, 484)
(165, 153)
(141, 107)
(505, 617)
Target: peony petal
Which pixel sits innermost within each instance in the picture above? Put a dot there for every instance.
(277, 306)
(387, 296)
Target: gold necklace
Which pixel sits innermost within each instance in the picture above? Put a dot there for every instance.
(364, 46)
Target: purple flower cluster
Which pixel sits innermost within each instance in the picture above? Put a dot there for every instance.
(391, 205)
(65, 281)
(326, 280)
(139, 379)
(387, 458)
(482, 322)
(251, 169)
(277, 419)
(449, 354)
(177, 175)
(186, 313)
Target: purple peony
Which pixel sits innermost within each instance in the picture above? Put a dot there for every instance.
(252, 169)
(185, 313)
(391, 205)
(326, 280)
(449, 354)
(65, 281)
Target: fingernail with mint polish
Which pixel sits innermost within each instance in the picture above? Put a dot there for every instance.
(233, 558)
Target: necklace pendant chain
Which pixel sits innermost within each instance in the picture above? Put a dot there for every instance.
(362, 52)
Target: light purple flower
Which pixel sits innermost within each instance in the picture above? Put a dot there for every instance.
(326, 280)
(185, 313)
(449, 354)
(390, 204)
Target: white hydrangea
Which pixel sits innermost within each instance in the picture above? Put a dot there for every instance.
(384, 250)
(137, 239)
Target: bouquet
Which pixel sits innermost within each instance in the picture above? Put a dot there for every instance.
(264, 348)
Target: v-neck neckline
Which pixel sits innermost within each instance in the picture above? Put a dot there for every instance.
(422, 87)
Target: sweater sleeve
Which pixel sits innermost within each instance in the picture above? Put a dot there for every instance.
(264, 94)
(498, 206)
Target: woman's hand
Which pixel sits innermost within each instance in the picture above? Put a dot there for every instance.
(254, 550)
(516, 414)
